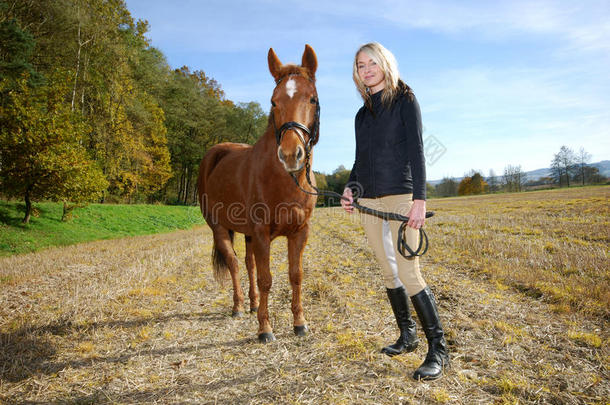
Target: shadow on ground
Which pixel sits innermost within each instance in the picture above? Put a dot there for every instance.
(29, 351)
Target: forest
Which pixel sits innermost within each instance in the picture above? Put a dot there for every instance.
(90, 111)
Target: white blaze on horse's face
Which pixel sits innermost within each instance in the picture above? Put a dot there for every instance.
(291, 88)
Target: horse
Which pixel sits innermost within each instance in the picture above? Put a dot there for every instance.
(250, 189)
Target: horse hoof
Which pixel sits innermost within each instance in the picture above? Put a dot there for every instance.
(237, 314)
(301, 330)
(252, 310)
(266, 337)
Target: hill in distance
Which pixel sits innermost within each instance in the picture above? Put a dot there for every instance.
(603, 167)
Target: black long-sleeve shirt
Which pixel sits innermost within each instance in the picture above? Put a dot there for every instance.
(389, 149)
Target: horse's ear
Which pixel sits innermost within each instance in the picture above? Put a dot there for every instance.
(310, 60)
(274, 64)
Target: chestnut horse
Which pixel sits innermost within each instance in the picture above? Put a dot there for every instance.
(250, 189)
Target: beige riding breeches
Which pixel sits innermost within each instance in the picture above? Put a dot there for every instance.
(382, 236)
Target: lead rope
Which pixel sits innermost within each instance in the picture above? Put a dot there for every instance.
(403, 246)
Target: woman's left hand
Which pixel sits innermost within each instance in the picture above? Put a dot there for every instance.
(417, 214)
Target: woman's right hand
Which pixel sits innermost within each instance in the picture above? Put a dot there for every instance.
(347, 200)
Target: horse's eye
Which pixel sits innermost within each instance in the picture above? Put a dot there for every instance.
(313, 100)
(273, 103)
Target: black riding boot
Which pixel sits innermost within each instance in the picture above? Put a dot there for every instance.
(437, 358)
(407, 342)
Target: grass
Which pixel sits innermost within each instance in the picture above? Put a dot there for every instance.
(141, 320)
(547, 244)
(93, 222)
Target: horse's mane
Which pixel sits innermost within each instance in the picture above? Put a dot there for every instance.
(291, 69)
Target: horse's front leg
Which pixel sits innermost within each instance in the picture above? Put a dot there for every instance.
(296, 246)
(261, 244)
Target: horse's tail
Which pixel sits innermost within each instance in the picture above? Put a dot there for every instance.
(219, 262)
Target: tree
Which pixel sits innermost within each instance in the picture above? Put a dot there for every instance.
(492, 180)
(196, 120)
(513, 178)
(447, 188)
(430, 190)
(246, 122)
(472, 184)
(479, 185)
(593, 175)
(563, 164)
(16, 47)
(322, 185)
(582, 158)
(41, 147)
(148, 126)
(337, 182)
(465, 186)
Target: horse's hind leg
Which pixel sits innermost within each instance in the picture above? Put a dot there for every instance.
(251, 267)
(223, 241)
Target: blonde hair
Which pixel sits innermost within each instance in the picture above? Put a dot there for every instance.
(388, 65)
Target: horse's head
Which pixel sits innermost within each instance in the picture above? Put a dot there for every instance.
(295, 111)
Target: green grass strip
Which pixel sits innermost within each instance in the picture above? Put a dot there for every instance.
(93, 222)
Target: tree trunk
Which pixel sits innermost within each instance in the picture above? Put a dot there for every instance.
(180, 183)
(67, 212)
(80, 46)
(82, 96)
(28, 207)
(77, 69)
(187, 188)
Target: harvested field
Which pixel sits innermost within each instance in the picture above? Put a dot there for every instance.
(141, 320)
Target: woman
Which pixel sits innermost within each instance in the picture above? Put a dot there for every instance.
(389, 174)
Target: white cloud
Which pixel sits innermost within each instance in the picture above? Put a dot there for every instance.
(584, 23)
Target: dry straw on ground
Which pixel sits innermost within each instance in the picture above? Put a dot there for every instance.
(521, 279)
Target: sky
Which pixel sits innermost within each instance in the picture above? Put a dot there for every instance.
(498, 82)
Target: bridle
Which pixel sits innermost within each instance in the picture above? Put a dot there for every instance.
(313, 135)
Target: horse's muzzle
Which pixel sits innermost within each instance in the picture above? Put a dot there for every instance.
(293, 161)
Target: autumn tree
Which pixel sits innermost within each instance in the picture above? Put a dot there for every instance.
(473, 183)
(465, 186)
(41, 147)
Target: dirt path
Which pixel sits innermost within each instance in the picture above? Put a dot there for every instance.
(140, 320)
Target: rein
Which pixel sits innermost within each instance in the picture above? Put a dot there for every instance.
(401, 243)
